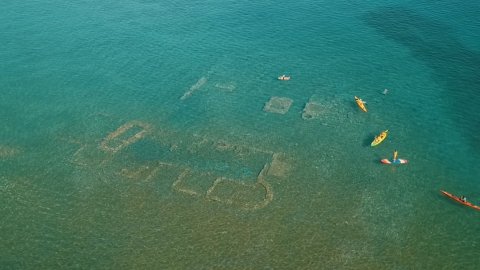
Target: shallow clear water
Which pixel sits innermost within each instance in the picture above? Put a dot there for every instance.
(134, 134)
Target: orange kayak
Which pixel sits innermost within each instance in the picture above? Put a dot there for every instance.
(360, 104)
(457, 199)
(378, 139)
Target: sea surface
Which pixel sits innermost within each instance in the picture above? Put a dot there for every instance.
(154, 134)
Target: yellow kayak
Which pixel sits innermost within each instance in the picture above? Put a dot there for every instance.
(378, 139)
(360, 104)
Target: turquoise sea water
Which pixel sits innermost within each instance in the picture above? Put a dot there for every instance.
(134, 134)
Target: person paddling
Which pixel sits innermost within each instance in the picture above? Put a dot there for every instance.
(395, 155)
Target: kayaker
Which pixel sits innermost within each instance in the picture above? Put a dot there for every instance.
(463, 198)
(395, 155)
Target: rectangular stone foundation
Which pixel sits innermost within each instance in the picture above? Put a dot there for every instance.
(279, 105)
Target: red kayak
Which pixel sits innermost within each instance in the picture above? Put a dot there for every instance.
(457, 199)
(395, 161)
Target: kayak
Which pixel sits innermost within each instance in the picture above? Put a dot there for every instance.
(378, 139)
(457, 199)
(284, 78)
(395, 161)
(360, 104)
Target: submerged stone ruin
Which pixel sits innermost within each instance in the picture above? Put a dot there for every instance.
(279, 105)
(314, 108)
(125, 135)
(175, 158)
